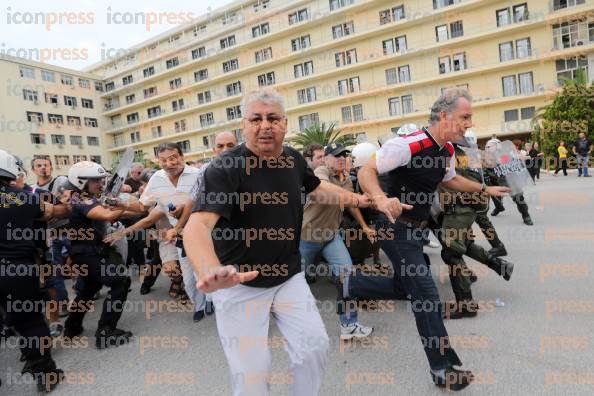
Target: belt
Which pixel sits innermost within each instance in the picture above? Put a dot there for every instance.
(411, 220)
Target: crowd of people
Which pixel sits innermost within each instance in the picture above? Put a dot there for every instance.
(252, 226)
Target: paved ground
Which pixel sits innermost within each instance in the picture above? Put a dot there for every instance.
(540, 342)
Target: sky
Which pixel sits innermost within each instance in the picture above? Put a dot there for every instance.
(79, 33)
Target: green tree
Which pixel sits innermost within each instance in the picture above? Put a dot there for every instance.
(321, 134)
(570, 112)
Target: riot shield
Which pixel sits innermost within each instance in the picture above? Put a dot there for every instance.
(511, 167)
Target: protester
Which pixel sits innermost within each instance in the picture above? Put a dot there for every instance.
(561, 159)
(582, 148)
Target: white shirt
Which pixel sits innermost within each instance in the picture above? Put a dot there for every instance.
(161, 191)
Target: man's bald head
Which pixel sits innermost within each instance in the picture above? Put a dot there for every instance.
(224, 141)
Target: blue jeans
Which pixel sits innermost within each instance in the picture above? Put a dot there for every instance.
(412, 280)
(338, 258)
(60, 248)
(582, 164)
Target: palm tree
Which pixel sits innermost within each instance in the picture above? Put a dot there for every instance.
(321, 134)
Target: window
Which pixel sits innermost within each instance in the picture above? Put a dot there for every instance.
(66, 79)
(229, 18)
(206, 141)
(70, 101)
(173, 62)
(37, 138)
(303, 69)
(29, 94)
(203, 97)
(400, 42)
(444, 64)
(198, 52)
(156, 131)
(459, 61)
(523, 49)
(560, 4)
(510, 115)
(509, 85)
(394, 14)
(260, 30)
(199, 30)
(298, 16)
(441, 33)
(86, 103)
(266, 79)
(503, 17)
(233, 113)
(305, 121)
(394, 106)
(178, 104)
(48, 76)
(27, 72)
(135, 137)
(306, 95)
(567, 35)
(78, 158)
(127, 80)
(62, 160)
(391, 76)
(526, 83)
(444, 3)
(130, 98)
(132, 118)
(344, 29)
(34, 117)
(83, 83)
(404, 73)
(388, 47)
(407, 104)
(149, 71)
(110, 86)
(263, 54)
(238, 135)
(152, 91)
(173, 39)
(227, 42)
(175, 83)
(347, 114)
(261, 5)
(527, 112)
(185, 146)
(336, 4)
(98, 86)
(520, 12)
(73, 121)
(233, 88)
(153, 111)
(457, 29)
(201, 75)
(96, 159)
(76, 140)
(92, 141)
(51, 98)
(350, 85)
(506, 51)
(568, 68)
(180, 126)
(91, 122)
(55, 119)
(344, 58)
(230, 65)
(300, 43)
(58, 139)
(206, 120)
(358, 112)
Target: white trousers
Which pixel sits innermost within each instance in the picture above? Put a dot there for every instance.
(196, 296)
(243, 317)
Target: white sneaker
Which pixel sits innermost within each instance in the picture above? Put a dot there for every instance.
(355, 330)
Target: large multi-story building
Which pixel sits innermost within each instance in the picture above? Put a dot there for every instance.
(49, 111)
(368, 65)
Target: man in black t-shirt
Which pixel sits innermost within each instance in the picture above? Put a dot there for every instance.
(243, 242)
(582, 148)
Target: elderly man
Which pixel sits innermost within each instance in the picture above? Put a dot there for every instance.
(411, 168)
(243, 241)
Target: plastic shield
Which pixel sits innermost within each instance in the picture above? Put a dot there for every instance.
(511, 167)
(473, 160)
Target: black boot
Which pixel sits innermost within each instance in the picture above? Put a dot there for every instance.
(503, 267)
(44, 370)
(209, 308)
(496, 211)
(453, 379)
(527, 220)
(498, 251)
(110, 336)
(461, 309)
(72, 330)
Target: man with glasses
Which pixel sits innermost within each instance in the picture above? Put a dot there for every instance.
(243, 241)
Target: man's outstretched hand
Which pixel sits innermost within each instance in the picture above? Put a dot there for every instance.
(223, 278)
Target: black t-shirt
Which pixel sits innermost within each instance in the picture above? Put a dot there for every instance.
(135, 184)
(582, 146)
(86, 235)
(18, 211)
(261, 208)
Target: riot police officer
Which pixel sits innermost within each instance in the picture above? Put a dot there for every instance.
(20, 296)
(98, 263)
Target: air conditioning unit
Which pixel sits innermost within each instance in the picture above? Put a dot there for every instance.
(579, 42)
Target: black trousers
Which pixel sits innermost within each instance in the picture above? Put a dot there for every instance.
(22, 304)
(96, 272)
(136, 249)
(561, 164)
